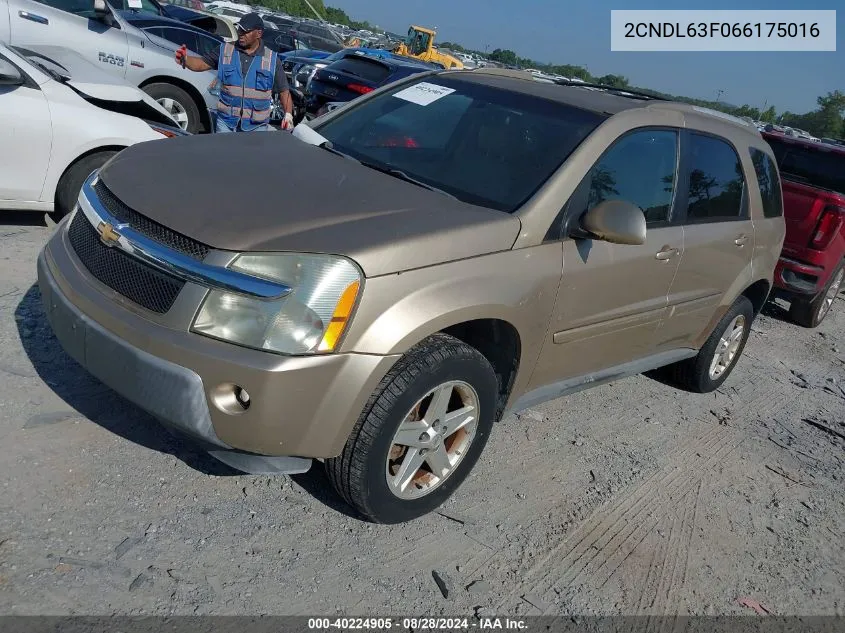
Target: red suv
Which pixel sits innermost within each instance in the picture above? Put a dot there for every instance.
(812, 264)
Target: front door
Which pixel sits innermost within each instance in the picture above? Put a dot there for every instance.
(718, 240)
(26, 132)
(612, 296)
(71, 24)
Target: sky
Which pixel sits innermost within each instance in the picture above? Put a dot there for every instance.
(579, 33)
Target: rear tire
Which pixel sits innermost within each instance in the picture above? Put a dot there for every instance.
(67, 191)
(703, 372)
(179, 103)
(810, 314)
(369, 472)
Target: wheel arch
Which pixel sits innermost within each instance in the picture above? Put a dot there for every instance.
(188, 87)
(758, 293)
(86, 154)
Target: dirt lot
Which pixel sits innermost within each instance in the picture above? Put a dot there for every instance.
(630, 498)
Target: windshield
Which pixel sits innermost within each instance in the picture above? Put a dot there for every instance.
(483, 145)
(44, 63)
(822, 168)
(417, 41)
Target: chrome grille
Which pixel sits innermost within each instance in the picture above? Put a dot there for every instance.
(151, 229)
(139, 283)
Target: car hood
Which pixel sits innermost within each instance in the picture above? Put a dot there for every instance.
(97, 85)
(272, 192)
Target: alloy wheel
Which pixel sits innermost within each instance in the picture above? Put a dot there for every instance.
(176, 110)
(727, 348)
(432, 440)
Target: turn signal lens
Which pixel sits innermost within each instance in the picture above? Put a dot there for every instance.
(340, 318)
(828, 226)
(361, 90)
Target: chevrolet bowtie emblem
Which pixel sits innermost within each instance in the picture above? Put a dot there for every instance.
(107, 233)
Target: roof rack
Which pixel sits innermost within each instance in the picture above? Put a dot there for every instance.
(622, 92)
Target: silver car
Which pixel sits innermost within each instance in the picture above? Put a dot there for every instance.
(101, 35)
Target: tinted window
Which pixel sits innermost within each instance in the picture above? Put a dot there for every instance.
(716, 180)
(489, 146)
(640, 168)
(232, 13)
(177, 36)
(78, 7)
(362, 67)
(206, 45)
(819, 167)
(767, 178)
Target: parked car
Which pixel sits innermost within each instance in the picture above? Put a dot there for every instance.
(354, 75)
(301, 66)
(61, 118)
(520, 242)
(104, 37)
(318, 36)
(811, 269)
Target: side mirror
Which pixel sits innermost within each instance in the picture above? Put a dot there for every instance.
(9, 74)
(617, 222)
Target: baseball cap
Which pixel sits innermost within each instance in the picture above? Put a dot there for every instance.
(250, 22)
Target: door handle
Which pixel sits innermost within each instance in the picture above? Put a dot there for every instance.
(666, 254)
(741, 240)
(26, 15)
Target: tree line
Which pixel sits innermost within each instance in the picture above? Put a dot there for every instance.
(825, 121)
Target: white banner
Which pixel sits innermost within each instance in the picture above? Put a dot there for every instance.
(747, 30)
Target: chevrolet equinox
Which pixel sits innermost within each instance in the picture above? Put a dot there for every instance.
(445, 249)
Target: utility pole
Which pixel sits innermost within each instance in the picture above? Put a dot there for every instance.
(718, 92)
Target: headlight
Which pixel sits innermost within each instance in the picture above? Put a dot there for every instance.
(310, 319)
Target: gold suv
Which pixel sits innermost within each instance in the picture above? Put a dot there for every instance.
(377, 290)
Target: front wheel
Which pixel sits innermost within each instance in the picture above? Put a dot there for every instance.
(178, 104)
(420, 434)
(811, 313)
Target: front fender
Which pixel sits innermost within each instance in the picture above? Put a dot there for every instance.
(399, 310)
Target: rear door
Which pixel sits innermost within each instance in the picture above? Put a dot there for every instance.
(718, 238)
(69, 23)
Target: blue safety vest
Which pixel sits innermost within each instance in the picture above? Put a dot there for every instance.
(245, 99)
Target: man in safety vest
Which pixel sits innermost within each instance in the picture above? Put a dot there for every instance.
(248, 74)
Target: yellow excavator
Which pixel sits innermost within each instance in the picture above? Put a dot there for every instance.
(420, 44)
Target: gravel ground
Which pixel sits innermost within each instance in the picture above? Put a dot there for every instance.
(630, 498)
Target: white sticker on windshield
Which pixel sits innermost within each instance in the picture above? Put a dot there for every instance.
(134, 4)
(424, 93)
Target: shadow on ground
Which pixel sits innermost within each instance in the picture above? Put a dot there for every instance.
(94, 400)
(104, 407)
(23, 218)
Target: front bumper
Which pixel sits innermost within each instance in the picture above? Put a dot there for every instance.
(300, 407)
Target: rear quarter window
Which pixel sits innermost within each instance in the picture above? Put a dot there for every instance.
(364, 68)
(768, 180)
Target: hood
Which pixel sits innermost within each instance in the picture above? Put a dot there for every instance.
(273, 192)
(96, 85)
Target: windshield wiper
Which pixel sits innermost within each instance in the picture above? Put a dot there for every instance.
(401, 175)
(329, 147)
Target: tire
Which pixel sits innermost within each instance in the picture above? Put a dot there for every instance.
(810, 314)
(67, 191)
(442, 364)
(179, 103)
(694, 374)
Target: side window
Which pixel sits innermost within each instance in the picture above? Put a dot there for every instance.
(769, 181)
(82, 8)
(641, 168)
(181, 36)
(206, 45)
(716, 180)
